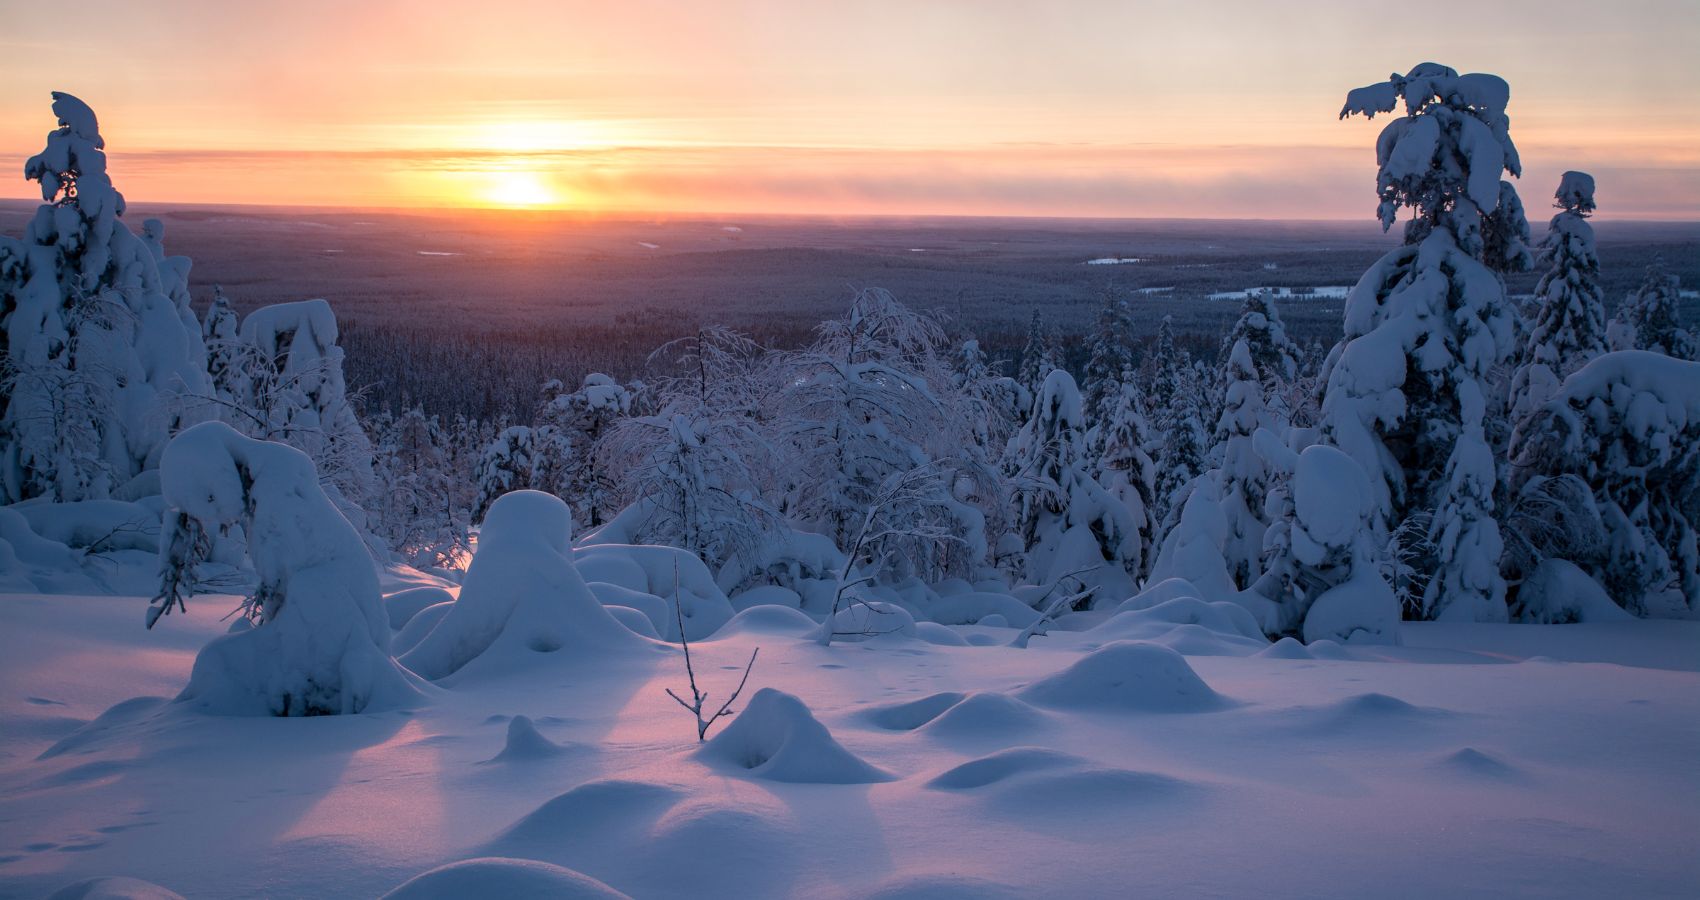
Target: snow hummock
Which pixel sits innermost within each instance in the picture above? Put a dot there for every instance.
(522, 598)
(777, 738)
(511, 879)
(525, 742)
(114, 888)
(1127, 675)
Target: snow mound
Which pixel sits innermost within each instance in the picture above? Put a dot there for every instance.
(402, 606)
(776, 737)
(525, 742)
(986, 714)
(666, 572)
(914, 713)
(1286, 648)
(323, 646)
(119, 715)
(872, 619)
(942, 635)
(941, 886)
(1068, 796)
(585, 814)
(1559, 592)
(767, 595)
(1474, 763)
(511, 879)
(114, 888)
(782, 620)
(1001, 766)
(1196, 640)
(1126, 675)
(1360, 610)
(976, 606)
(1161, 592)
(1218, 616)
(659, 612)
(1371, 713)
(522, 597)
(634, 620)
(421, 624)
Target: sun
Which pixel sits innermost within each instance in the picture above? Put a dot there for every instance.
(520, 190)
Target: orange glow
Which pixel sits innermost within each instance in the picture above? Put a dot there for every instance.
(1093, 107)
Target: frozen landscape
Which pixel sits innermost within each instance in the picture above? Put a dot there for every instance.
(1402, 603)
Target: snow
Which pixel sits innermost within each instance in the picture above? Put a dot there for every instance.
(523, 599)
(1114, 261)
(1351, 754)
(776, 737)
(517, 879)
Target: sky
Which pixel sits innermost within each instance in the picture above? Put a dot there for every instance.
(1224, 109)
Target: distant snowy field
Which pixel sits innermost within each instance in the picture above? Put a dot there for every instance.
(1475, 760)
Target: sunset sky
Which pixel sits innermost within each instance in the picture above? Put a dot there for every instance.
(1206, 109)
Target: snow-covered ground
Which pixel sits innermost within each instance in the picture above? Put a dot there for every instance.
(1474, 760)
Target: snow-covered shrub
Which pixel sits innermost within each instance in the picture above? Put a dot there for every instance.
(676, 576)
(522, 597)
(507, 464)
(1320, 546)
(1558, 592)
(692, 483)
(870, 399)
(577, 421)
(299, 396)
(320, 640)
(101, 348)
(1650, 318)
(1407, 391)
(1628, 424)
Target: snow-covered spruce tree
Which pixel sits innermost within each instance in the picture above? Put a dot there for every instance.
(1125, 470)
(869, 398)
(1258, 363)
(1037, 359)
(1241, 476)
(1184, 439)
(1068, 522)
(226, 364)
(1649, 319)
(1111, 359)
(576, 422)
(1406, 394)
(1568, 329)
(506, 464)
(1274, 357)
(319, 644)
(1628, 424)
(100, 346)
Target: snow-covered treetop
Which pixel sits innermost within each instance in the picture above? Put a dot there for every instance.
(72, 166)
(1575, 193)
(1450, 147)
